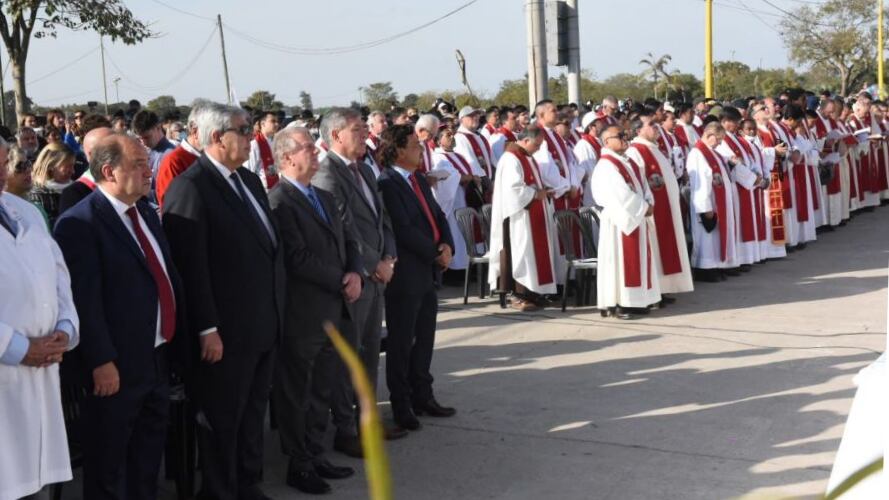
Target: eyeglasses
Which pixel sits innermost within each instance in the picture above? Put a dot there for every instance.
(243, 130)
(620, 137)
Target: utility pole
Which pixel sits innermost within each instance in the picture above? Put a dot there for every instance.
(2, 95)
(708, 50)
(880, 47)
(116, 89)
(104, 78)
(573, 52)
(228, 86)
(537, 78)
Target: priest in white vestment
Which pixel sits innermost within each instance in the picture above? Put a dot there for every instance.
(586, 152)
(38, 323)
(627, 283)
(668, 242)
(523, 233)
(766, 161)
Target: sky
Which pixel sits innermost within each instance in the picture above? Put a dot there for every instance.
(185, 60)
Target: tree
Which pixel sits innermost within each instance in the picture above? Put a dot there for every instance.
(410, 101)
(731, 79)
(20, 20)
(305, 100)
(838, 34)
(680, 87)
(655, 67)
(162, 103)
(379, 96)
(263, 100)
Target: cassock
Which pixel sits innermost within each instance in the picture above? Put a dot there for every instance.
(711, 191)
(586, 152)
(744, 182)
(626, 274)
(526, 223)
(668, 243)
(806, 187)
(36, 291)
(261, 160)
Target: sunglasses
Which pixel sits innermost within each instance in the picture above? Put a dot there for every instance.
(621, 137)
(243, 130)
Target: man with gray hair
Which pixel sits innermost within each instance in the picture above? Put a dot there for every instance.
(184, 156)
(226, 246)
(426, 128)
(354, 187)
(324, 271)
(376, 125)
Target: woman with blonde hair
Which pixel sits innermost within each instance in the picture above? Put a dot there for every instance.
(51, 174)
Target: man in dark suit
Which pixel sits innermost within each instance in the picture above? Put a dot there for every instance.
(129, 296)
(225, 244)
(324, 267)
(354, 187)
(425, 248)
(85, 184)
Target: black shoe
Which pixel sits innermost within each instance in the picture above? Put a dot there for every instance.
(607, 312)
(734, 271)
(667, 300)
(801, 246)
(433, 409)
(745, 268)
(348, 445)
(327, 470)
(391, 433)
(307, 482)
(252, 493)
(707, 275)
(404, 417)
(625, 313)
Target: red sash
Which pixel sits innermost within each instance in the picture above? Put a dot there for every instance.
(265, 156)
(664, 143)
(537, 215)
(594, 143)
(459, 163)
(663, 212)
(776, 191)
(510, 137)
(681, 136)
(426, 164)
(558, 151)
(745, 205)
(722, 215)
(758, 198)
(87, 182)
(490, 128)
(630, 242)
(481, 155)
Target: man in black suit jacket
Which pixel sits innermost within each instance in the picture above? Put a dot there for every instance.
(227, 248)
(425, 248)
(129, 296)
(354, 187)
(85, 184)
(323, 263)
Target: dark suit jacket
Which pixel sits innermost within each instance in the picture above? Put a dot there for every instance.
(374, 230)
(416, 270)
(114, 292)
(233, 275)
(72, 195)
(316, 256)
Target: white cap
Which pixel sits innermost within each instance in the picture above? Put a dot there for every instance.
(467, 111)
(588, 119)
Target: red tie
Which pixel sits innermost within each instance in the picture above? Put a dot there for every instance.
(416, 185)
(164, 290)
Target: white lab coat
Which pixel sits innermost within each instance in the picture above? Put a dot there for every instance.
(36, 294)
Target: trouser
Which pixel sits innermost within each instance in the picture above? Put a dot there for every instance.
(233, 395)
(410, 321)
(124, 436)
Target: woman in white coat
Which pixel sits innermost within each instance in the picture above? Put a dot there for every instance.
(37, 323)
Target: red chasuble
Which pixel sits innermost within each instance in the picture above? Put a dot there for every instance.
(537, 214)
(776, 191)
(722, 215)
(265, 156)
(630, 242)
(663, 214)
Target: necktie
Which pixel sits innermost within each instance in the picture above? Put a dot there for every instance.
(249, 204)
(164, 289)
(7, 222)
(316, 204)
(436, 235)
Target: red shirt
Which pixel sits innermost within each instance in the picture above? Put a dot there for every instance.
(172, 165)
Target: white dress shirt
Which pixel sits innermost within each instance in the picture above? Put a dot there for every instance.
(226, 174)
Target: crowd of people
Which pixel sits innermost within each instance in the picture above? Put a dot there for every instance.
(145, 252)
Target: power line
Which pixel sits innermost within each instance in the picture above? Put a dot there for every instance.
(754, 14)
(66, 66)
(62, 98)
(185, 12)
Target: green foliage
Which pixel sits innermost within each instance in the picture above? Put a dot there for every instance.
(305, 100)
(379, 96)
(161, 104)
(263, 100)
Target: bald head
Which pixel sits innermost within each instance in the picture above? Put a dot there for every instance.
(92, 138)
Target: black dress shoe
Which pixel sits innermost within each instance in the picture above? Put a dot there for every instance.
(348, 445)
(667, 300)
(733, 271)
(625, 313)
(433, 409)
(405, 418)
(307, 482)
(392, 433)
(327, 470)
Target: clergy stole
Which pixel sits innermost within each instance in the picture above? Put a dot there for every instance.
(482, 151)
(510, 137)
(663, 213)
(681, 137)
(665, 143)
(630, 242)
(426, 163)
(748, 232)
(776, 190)
(265, 156)
(559, 153)
(814, 179)
(472, 191)
(863, 163)
(850, 142)
(758, 197)
(722, 214)
(821, 131)
(537, 216)
(594, 143)
(799, 181)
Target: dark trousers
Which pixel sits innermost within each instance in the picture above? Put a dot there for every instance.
(410, 321)
(233, 395)
(124, 437)
(363, 333)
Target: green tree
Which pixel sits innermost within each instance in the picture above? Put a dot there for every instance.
(655, 68)
(162, 103)
(679, 87)
(379, 96)
(838, 34)
(305, 100)
(20, 20)
(410, 101)
(730, 79)
(263, 100)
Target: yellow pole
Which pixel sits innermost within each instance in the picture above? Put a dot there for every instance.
(880, 46)
(708, 50)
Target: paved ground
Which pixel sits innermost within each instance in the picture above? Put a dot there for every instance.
(741, 387)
